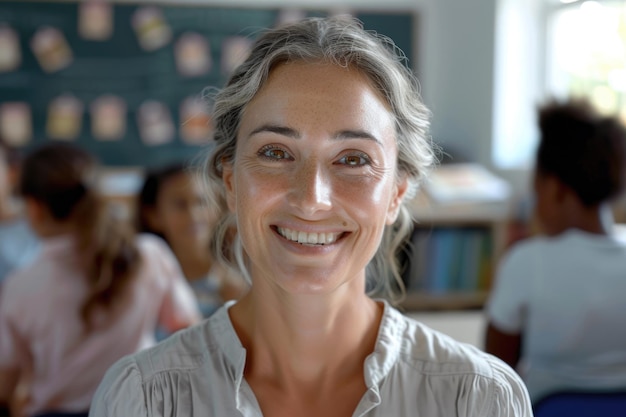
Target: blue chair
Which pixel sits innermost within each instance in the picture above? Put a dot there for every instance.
(582, 404)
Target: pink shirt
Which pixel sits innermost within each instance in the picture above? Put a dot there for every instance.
(42, 334)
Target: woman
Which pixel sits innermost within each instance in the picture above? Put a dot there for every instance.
(94, 293)
(321, 137)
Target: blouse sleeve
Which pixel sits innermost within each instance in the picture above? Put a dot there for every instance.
(120, 392)
(510, 397)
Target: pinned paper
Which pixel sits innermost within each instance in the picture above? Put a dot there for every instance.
(51, 49)
(196, 123)
(108, 118)
(152, 30)
(16, 123)
(10, 54)
(65, 116)
(193, 57)
(289, 16)
(155, 123)
(95, 20)
(235, 50)
(340, 12)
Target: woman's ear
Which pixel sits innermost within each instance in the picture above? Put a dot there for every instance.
(400, 188)
(229, 184)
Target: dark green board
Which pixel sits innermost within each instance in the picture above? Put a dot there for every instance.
(121, 67)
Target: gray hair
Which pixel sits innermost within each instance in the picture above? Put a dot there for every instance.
(341, 41)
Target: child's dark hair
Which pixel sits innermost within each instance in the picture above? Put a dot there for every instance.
(63, 178)
(584, 150)
(149, 194)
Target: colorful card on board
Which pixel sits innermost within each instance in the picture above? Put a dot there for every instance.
(51, 49)
(193, 56)
(155, 123)
(65, 117)
(108, 118)
(10, 53)
(152, 30)
(95, 20)
(196, 123)
(16, 123)
(235, 50)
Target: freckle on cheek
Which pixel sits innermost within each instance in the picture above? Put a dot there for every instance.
(345, 224)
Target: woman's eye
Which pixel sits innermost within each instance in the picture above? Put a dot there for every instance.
(274, 153)
(354, 160)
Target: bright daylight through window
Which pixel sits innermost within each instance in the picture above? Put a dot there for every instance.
(554, 48)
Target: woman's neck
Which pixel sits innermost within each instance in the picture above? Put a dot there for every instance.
(295, 340)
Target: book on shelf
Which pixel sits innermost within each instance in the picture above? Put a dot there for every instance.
(449, 260)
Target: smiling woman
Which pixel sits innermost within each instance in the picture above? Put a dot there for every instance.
(321, 136)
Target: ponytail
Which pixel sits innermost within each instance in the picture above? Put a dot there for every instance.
(62, 178)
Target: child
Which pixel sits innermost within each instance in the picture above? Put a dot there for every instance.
(95, 293)
(556, 311)
(18, 244)
(172, 205)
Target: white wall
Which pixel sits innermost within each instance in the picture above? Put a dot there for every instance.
(458, 74)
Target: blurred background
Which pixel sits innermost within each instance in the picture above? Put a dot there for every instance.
(131, 81)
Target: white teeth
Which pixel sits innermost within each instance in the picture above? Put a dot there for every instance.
(308, 238)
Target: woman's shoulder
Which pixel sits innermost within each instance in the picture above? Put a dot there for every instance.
(427, 354)
(158, 369)
(195, 358)
(434, 350)
(184, 351)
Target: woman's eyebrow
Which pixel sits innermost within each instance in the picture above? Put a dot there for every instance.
(294, 134)
(277, 129)
(357, 134)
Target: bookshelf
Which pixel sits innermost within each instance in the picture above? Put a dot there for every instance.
(457, 241)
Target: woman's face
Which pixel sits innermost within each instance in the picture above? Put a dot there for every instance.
(181, 214)
(314, 180)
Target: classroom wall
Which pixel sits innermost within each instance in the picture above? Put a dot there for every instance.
(455, 62)
(455, 50)
(457, 75)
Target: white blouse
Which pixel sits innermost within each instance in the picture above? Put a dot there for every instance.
(413, 371)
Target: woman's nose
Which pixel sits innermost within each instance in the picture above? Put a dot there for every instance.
(311, 189)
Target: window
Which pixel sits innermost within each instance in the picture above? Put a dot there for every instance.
(554, 48)
(587, 55)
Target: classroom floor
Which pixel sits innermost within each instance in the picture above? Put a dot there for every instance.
(464, 326)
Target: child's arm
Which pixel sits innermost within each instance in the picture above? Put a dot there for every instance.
(506, 346)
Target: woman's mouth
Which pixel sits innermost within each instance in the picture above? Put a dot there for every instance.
(305, 238)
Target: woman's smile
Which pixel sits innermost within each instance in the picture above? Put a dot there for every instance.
(309, 238)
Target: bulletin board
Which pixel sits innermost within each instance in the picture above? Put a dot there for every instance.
(120, 65)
